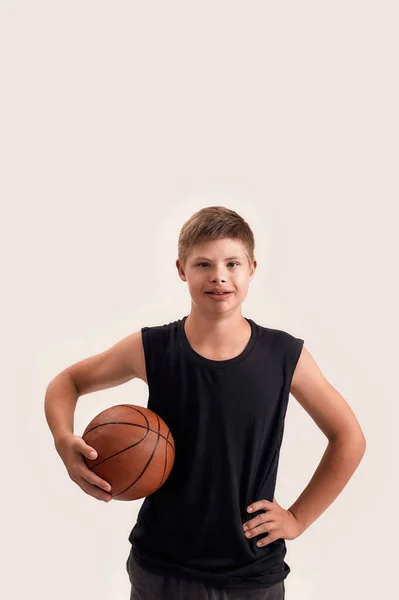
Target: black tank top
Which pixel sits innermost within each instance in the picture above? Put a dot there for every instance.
(227, 421)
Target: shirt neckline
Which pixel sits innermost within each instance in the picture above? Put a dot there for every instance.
(217, 363)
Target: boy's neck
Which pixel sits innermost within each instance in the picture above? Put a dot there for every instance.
(219, 332)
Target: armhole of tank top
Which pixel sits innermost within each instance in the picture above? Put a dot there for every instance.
(146, 352)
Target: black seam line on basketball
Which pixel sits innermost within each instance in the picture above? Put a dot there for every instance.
(166, 453)
(142, 414)
(145, 418)
(132, 425)
(145, 468)
(169, 433)
(122, 423)
(140, 474)
(127, 447)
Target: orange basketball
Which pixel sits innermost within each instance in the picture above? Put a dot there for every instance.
(135, 450)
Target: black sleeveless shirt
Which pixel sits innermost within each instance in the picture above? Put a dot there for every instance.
(227, 421)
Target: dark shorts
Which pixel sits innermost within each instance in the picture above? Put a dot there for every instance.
(152, 586)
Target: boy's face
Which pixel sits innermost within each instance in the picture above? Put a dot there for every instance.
(219, 264)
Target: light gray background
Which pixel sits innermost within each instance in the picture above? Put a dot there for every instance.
(118, 121)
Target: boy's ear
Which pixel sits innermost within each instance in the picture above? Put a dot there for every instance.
(180, 270)
(253, 268)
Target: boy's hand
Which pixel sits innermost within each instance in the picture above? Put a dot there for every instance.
(276, 521)
(72, 450)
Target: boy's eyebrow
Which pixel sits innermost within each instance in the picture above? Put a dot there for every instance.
(204, 257)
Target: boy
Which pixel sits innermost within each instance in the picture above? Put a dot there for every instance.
(221, 382)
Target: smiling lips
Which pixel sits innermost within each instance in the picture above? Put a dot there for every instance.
(218, 296)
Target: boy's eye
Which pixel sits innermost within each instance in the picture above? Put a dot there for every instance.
(230, 263)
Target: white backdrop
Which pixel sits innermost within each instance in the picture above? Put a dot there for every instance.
(119, 120)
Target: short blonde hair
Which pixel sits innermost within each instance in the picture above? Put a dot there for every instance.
(214, 223)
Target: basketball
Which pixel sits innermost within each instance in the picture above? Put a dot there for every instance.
(135, 450)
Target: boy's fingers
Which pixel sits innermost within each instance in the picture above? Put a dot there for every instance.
(93, 490)
(104, 485)
(92, 478)
(89, 452)
(85, 449)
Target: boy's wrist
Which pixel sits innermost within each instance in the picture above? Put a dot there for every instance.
(60, 437)
(302, 526)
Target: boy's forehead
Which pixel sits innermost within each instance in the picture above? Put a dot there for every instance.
(214, 248)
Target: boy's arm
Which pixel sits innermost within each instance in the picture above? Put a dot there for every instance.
(60, 404)
(346, 447)
(118, 364)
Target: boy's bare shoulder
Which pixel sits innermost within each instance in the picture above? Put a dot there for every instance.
(118, 364)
